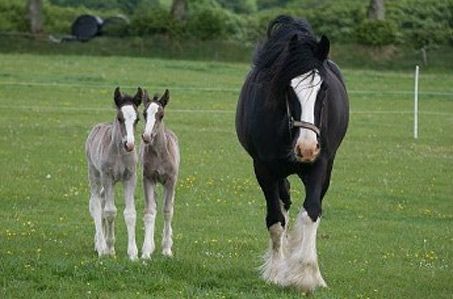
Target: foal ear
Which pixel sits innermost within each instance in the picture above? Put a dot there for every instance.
(138, 97)
(323, 48)
(165, 98)
(118, 97)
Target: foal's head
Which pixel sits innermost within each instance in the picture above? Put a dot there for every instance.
(127, 115)
(154, 113)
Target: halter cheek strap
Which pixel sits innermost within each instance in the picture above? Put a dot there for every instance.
(300, 124)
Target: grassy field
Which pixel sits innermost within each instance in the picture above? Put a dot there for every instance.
(387, 229)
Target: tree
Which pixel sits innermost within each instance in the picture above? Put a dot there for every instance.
(35, 16)
(376, 10)
(179, 9)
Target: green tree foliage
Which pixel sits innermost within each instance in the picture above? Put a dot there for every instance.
(239, 6)
(376, 33)
(423, 23)
(266, 4)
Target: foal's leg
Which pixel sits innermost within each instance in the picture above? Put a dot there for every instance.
(96, 212)
(150, 217)
(274, 266)
(169, 197)
(303, 269)
(109, 215)
(130, 216)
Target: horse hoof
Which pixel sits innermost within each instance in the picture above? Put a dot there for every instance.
(146, 256)
(167, 252)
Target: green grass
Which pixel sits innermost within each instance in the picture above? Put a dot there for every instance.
(388, 217)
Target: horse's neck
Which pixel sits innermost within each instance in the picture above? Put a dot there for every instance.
(160, 141)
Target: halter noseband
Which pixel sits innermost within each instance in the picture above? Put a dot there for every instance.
(292, 123)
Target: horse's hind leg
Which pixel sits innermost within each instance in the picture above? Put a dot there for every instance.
(150, 217)
(274, 266)
(169, 197)
(130, 216)
(96, 212)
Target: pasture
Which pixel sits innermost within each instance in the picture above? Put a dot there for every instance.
(387, 227)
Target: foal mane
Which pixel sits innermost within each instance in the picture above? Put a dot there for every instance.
(290, 49)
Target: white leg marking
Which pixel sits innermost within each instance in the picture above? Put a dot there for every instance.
(274, 266)
(167, 239)
(130, 217)
(96, 212)
(149, 218)
(303, 270)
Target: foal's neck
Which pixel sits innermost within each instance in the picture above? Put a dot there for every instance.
(160, 141)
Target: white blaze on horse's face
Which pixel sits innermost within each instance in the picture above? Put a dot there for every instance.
(151, 117)
(306, 87)
(130, 116)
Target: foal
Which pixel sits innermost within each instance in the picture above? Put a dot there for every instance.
(160, 158)
(111, 158)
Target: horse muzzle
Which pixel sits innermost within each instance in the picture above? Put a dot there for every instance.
(307, 151)
(129, 146)
(147, 138)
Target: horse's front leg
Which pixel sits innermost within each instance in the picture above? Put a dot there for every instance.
(109, 215)
(303, 270)
(96, 212)
(169, 198)
(149, 218)
(274, 266)
(130, 216)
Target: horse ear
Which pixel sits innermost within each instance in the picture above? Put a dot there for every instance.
(323, 48)
(165, 98)
(138, 97)
(293, 41)
(118, 97)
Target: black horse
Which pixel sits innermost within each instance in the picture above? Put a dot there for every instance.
(291, 117)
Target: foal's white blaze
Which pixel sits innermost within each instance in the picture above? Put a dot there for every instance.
(130, 115)
(306, 87)
(151, 119)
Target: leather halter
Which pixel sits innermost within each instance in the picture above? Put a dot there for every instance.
(300, 124)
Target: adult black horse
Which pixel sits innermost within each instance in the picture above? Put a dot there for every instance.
(291, 117)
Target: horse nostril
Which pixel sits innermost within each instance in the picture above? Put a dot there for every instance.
(298, 151)
(317, 146)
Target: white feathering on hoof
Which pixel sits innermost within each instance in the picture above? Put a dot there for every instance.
(273, 269)
(296, 265)
(302, 265)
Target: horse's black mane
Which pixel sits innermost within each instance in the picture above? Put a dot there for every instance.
(288, 51)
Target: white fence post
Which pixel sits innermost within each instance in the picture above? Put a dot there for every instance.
(416, 103)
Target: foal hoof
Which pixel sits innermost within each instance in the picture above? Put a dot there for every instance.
(146, 256)
(167, 252)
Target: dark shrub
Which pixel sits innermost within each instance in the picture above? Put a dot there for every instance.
(376, 33)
